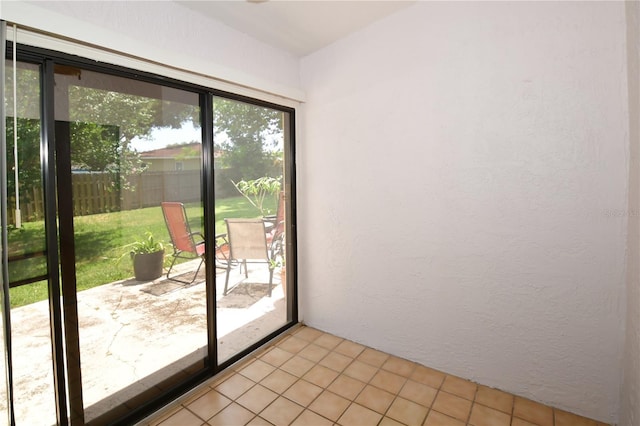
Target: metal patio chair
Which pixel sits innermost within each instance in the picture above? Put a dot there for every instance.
(186, 244)
(247, 240)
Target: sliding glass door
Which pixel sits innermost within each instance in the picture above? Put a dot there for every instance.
(252, 188)
(124, 148)
(30, 312)
(128, 283)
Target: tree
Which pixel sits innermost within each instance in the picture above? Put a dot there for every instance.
(28, 131)
(133, 115)
(248, 136)
(107, 122)
(103, 124)
(94, 147)
(28, 157)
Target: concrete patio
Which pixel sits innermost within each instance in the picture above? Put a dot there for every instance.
(134, 335)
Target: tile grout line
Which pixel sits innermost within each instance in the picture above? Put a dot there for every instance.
(473, 402)
(438, 390)
(358, 374)
(325, 388)
(397, 395)
(351, 402)
(367, 383)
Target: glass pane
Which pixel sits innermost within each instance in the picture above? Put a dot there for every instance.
(249, 175)
(34, 397)
(139, 330)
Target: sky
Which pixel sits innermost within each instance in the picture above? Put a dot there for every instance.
(161, 137)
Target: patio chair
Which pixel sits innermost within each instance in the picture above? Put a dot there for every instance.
(247, 244)
(184, 244)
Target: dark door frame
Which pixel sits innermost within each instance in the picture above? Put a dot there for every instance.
(56, 174)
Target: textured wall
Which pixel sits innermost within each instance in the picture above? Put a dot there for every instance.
(630, 395)
(463, 194)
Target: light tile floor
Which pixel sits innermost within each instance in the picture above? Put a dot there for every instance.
(314, 378)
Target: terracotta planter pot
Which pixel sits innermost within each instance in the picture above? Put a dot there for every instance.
(148, 266)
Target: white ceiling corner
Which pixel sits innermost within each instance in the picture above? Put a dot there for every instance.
(299, 27)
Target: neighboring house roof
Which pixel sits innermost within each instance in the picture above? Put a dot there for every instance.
(192, 149)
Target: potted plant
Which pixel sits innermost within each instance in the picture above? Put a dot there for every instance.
(148, 257)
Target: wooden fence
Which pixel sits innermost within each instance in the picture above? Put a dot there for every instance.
(95, 193)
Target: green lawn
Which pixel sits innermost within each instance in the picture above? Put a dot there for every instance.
(101, 241)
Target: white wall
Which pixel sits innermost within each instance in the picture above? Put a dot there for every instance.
(168, 33)
(630, 395)
(463, 194)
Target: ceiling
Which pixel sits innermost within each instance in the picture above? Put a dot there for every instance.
(299, 27)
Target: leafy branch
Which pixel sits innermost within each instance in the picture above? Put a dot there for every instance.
(256, 191)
